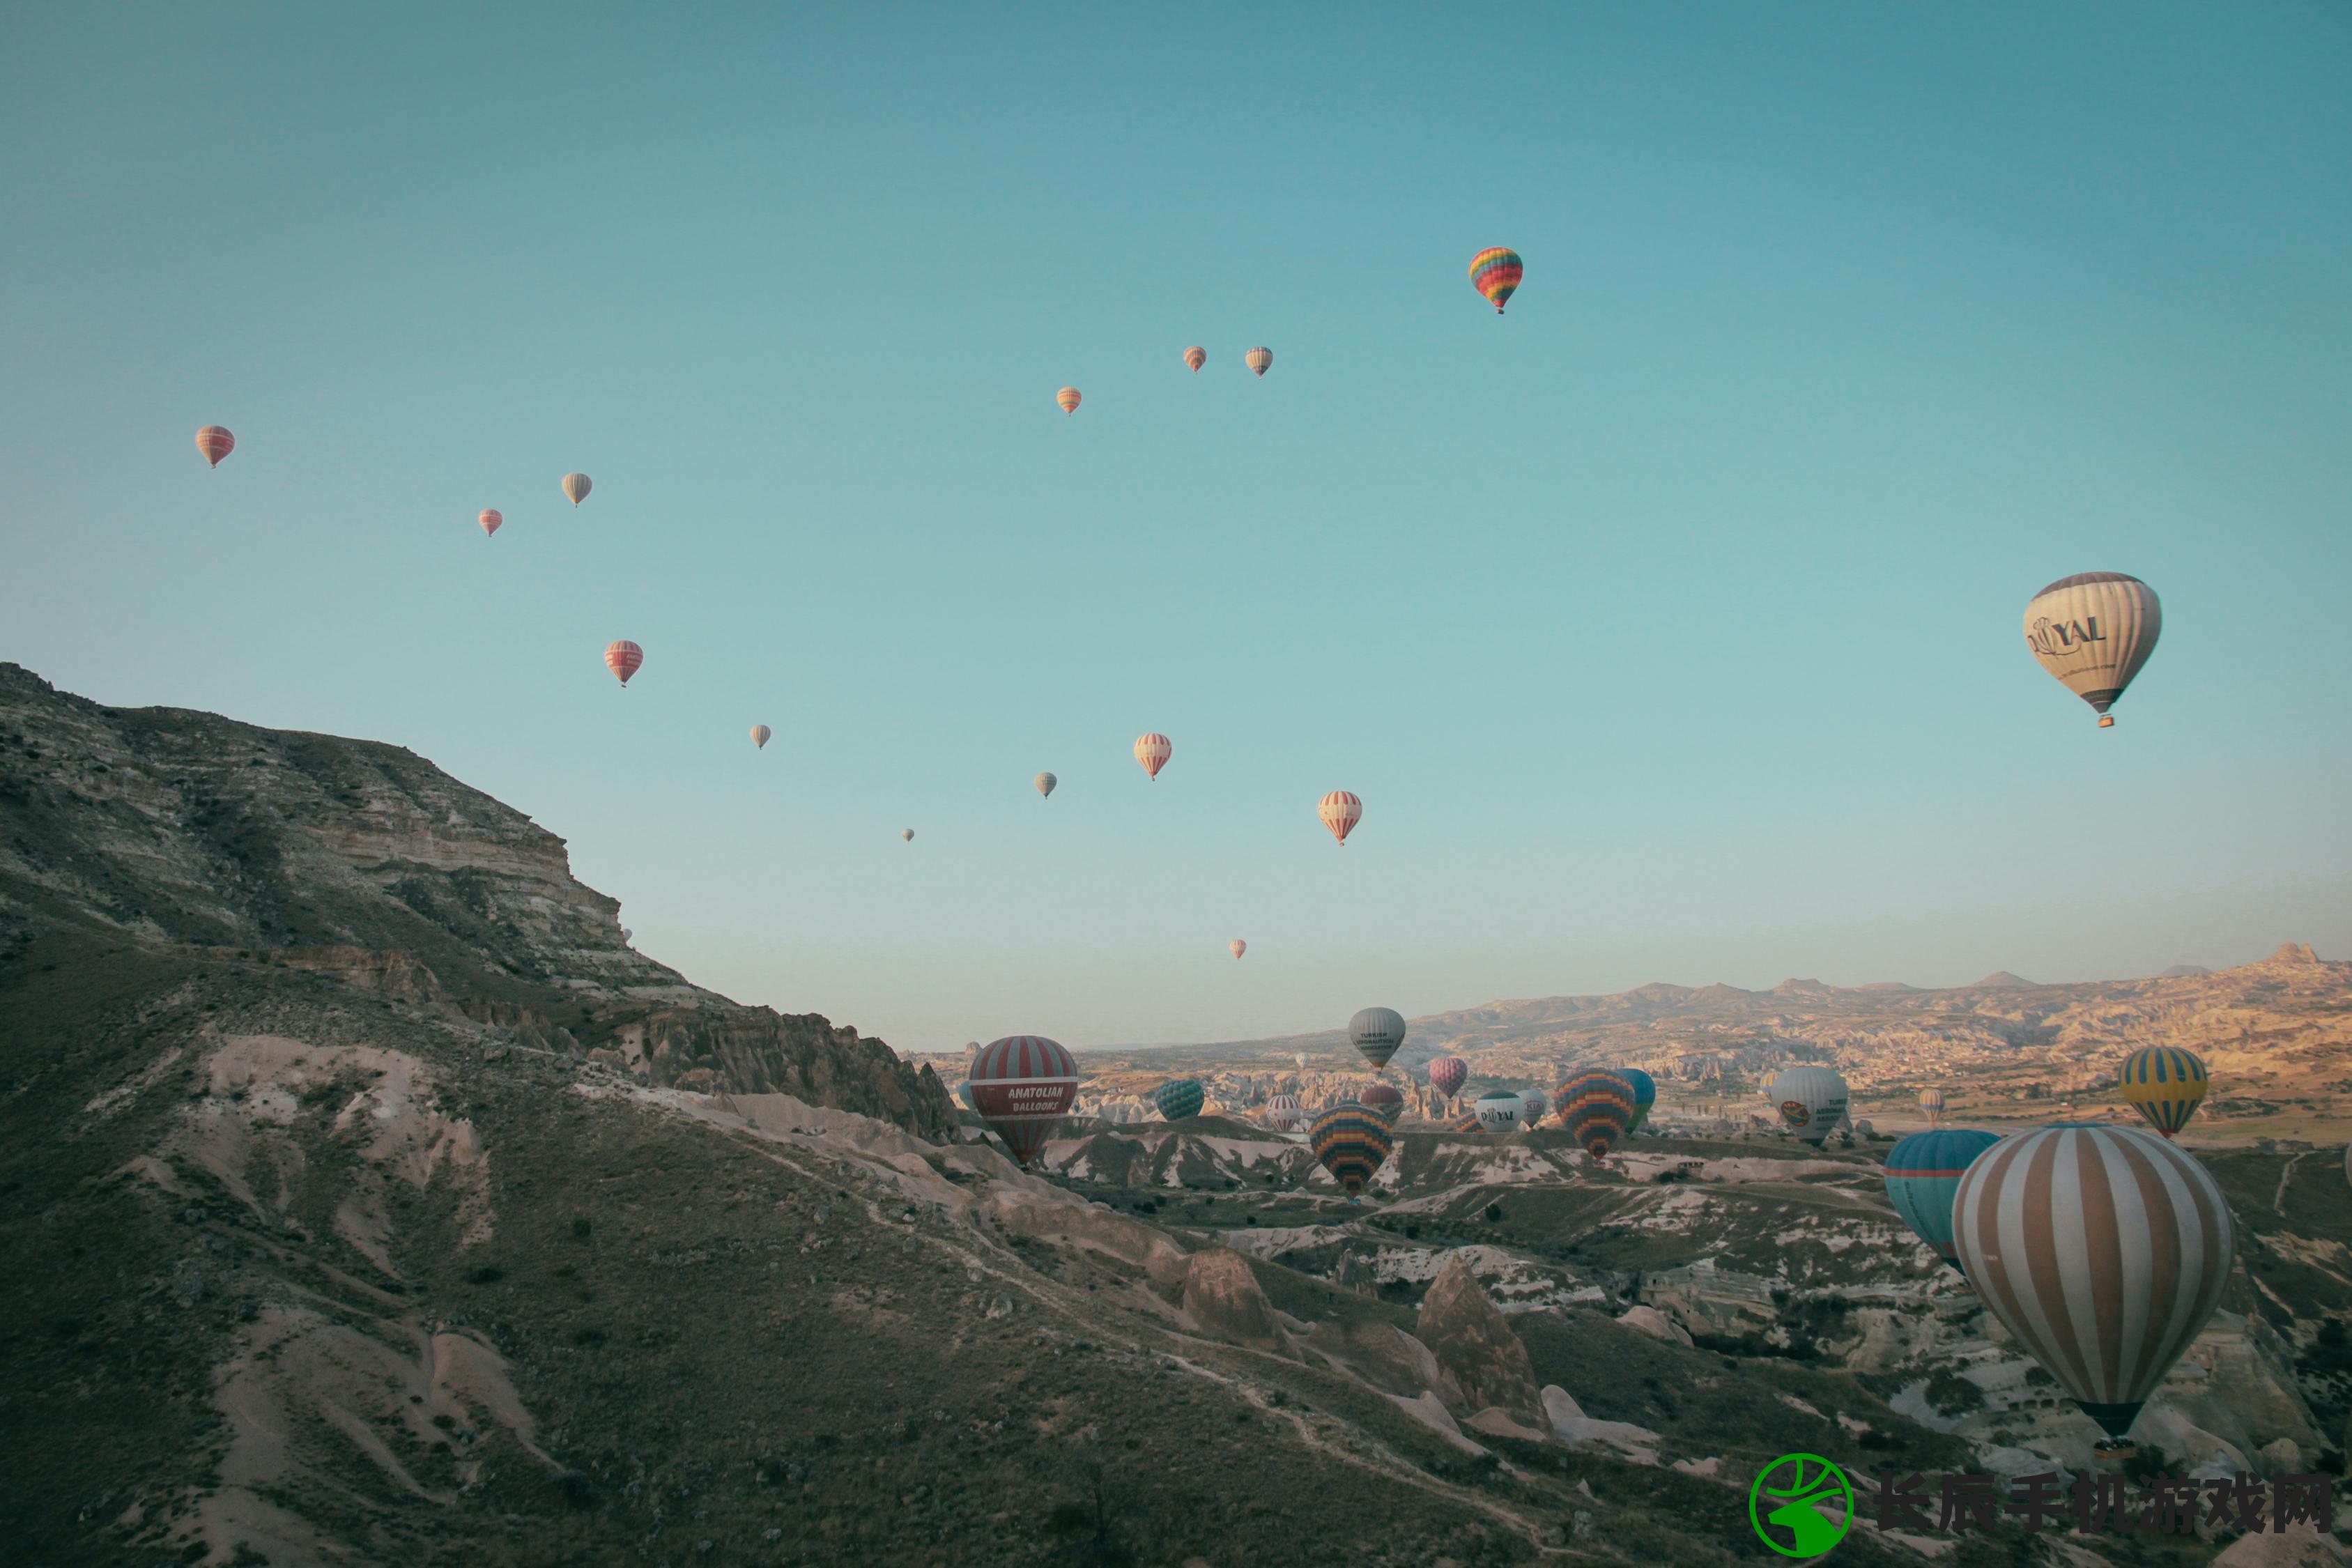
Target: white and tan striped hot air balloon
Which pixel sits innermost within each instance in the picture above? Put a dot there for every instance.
(2093, 631)
(760, 735)
(2102, 1249)
(1340, 811)
(1045, 782)
(1931, 1100)
(576, 488)
(1259, 358)
(1153, 752)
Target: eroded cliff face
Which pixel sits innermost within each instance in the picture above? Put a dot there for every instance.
(173, 830)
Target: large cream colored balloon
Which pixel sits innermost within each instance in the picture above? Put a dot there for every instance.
(2093, 631)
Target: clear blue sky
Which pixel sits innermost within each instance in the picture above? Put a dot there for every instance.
(1668, 626)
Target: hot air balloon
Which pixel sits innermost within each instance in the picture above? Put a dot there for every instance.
(216, 442)
(492, 519)
(759, 734)
(1445, 1075)
(1377, 1032)
(1864, 1130)
(964, 1093)
(1495, 272)
(907, 834)
(1196, 356)
(628, 935)
(1153, 751)
(1922, 1172)
(1534, 1106)
(1383, 1101)
(2102, 1249)
(1237, 947)
(1645, 1095)
(1931, 1100)
(623, 658)
(1340, 812)
(1258, 359)
(1045, 782)
(1466, 1122)
(1813, 1101)
(1178, 1099)
(1301, 1059)
(1282, 1113)
(577, 487)
(1595, 1107)
(1069, 399)
(1024, 1085)
(2166, 1085)
(2093, 631)
(1352, 1141)
(1499, 1110)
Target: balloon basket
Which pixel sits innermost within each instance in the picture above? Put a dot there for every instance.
(2106, 722)
(2113, 1452)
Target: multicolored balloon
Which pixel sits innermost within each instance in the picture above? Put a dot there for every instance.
(623, 658)
(1382, 1100)
(1283, 1113)
(1022, 1086)
(1237, 947)
(2102, 1249)
(577, 487)
(492, 519)
(1495, 272)
(1931, 1100)
(1445, 1075)
(1811, 1102)
(1045, 782)
(1923, 1174)
(1377, 1032)
(1069, 399)
(2165, 1084)
(1352, 1142)
(1499, 1110)
(760, 736)
(1179, 1098)
(1595, 1109)
(1196, 356)
(1340, 812)
(1645, 1095)
(2093, 632)
(1258, 359)
(1153, 751)
(216, 442)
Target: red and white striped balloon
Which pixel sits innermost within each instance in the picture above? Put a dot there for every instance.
(1153, 752)
(1340, 812)
(492, 519)
(216, 442)
(623, 658)
(1022, 1086)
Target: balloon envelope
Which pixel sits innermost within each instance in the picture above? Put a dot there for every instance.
(216, 442)
(1024, 1085)
(623, 658)
(1811, 1102)
(1495, 272)
(1340, 812)
(1923, 1174)
(1377, 1032)
(1196, 356)
(1259, 358)
(577, 487)
(1045, 782)
(1445, 1075)
(1596, 1108)
(492, 519)
(1382, 1100)
(2093, 632)
(1154, 749)
(1237, 947)
(1499, 1110)
(1282, 1113)
(2102, 1249)
(1931, 1100)
(1534, 1106)
(1069, 399)
(907, 834)
(2165, 1084)
(1645, 1095)
(1179, 1098)
(1351, 1141)
(760, 735)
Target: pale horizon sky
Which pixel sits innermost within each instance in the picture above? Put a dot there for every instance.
(1668, 626)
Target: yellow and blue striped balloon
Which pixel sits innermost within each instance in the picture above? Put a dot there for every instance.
(2165, 1084)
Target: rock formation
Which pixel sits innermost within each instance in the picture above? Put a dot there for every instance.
(1474, 1342)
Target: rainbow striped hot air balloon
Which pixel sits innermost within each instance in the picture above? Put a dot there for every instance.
(1931, 1100)
(1069, 399)
(1596, 1108)
(1196, 356)
(1352, 1142)
(1445, 1075)
(1022, 1086)
(2102, 1249)
(1645, 1095)
(1495, 272)
(2166, 1085)
(1178, 1099)
(1923, 1174)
